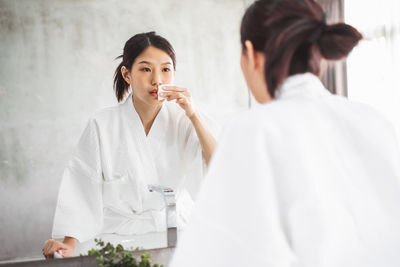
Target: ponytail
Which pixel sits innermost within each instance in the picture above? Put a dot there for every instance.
(120, 85)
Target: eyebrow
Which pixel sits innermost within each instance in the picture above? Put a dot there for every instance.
(148, 63)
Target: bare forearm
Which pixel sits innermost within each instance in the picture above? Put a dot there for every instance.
(70, 241)
(206, 139)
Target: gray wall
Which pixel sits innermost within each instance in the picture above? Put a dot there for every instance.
(56, 70)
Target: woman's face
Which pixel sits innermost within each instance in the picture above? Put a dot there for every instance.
(150, 69)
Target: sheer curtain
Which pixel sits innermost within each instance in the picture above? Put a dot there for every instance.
(333, 73)
(373, 68)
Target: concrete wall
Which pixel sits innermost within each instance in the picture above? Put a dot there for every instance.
(57, 63)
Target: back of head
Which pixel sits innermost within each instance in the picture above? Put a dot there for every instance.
(294, 36)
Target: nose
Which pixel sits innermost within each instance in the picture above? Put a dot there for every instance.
(156, 79)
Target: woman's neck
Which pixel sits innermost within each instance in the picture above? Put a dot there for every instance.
(147, 112)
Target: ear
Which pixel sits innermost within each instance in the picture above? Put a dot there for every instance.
(125, 74)
(256, 58)
(250, 54)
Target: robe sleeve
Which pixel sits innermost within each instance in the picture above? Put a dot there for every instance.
(79, 210)
(237, 220)
(195, 165)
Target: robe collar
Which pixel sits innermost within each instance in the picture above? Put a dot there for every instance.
(305, 84)
(146, 146)
(160, 123)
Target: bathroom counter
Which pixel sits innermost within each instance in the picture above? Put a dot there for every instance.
(154, 243)
(159, 256)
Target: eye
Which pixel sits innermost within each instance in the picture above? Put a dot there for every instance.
(146, 69)
(166, 69)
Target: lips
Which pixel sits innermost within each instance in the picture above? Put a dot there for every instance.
(154, 92)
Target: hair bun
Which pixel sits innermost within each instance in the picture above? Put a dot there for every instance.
(337, 40)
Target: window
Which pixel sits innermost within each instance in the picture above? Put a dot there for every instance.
(373, 67)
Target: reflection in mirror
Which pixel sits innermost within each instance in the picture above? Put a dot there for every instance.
(145, 140)
(73, 151)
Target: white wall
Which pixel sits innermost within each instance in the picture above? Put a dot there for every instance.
(57, 65)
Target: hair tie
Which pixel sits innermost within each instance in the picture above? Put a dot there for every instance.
(318, 31)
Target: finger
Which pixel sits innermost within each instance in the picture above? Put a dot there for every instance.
(54, 247)
(174, 88)
(181, 101)
(51, 243)
(171, 95)
(179, 89)
(47, 246)
(59, 245)
(49, 250)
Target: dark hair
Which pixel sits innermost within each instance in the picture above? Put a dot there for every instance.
(293, 35)
(132, 49)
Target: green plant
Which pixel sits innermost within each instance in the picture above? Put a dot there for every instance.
(110, 256)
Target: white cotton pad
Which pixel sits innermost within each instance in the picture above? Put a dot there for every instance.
(161, 89)
(58, 255)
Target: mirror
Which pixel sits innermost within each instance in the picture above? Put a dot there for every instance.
(57, 71)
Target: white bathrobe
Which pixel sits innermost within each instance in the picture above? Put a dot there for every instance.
(104, 189)
(309, 179)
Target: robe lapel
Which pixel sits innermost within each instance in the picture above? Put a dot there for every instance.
(145, 171)
(158, 131)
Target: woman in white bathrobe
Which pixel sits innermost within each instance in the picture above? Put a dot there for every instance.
(307, 178)
(140, 142)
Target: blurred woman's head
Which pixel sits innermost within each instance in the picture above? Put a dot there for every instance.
(148, 61)
(281, 38)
